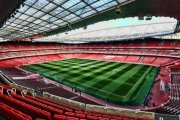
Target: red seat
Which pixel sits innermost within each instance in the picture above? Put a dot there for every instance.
(59, 117)
(69, 113)
(92, 117)
(72, 118)
(102, 118)
(117, 118)
(81, 112)
(80, 115)
(38, 104)
(12, 114)
(26, 108)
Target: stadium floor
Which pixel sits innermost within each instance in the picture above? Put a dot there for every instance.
(119, 83)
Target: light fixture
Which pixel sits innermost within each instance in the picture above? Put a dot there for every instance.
(69, 26)
(118, 9)
(148, 17)
(140, 17)
(85, 26)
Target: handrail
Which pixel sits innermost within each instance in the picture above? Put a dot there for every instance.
(1, 89)
(101, 109)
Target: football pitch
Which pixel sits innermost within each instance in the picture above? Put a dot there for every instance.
(119, 83)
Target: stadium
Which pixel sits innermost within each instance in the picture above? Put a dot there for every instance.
(89, 60)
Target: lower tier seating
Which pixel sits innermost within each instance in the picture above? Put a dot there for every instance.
(40, 86)
(14, 106)
(173, 105)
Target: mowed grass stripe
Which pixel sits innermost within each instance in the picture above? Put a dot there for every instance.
(120, 80)
(100, 64)
(87, 76)
(58, 67)
(101, 75)
(70, 73)
(62, 66)
(79, 62)
(90, 88)
(30, 68)
(87, 72)
(139, 84)
(49, 69)
(119, 72)
(98, 82)
(126, 88)
(93, 65)
(68, 61)
(65, 64)
(133, 79)
(101, 72)
(33, 68)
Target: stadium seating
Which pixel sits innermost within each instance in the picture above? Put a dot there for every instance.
(14, 54)
(26, 107)
(175, 85)
(12, 113)
(20, 77)
(132, 59)
(149, 48)
(173, 105)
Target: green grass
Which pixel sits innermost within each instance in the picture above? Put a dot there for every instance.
(119, 83)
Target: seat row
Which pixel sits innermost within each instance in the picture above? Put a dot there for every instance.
(148, 43)
(41, 86)
(173, 105)
(26, 107)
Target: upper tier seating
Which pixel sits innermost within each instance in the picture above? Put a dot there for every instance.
(148, 47)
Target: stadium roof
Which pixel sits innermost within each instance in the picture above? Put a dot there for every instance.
(36, 18)
(117, 30)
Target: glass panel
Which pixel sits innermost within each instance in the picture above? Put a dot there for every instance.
(58, 21)
(49, 7)
(23, 9)
(88, 13)
(90, 1)
(30, 2)
(42, 15)
(77, 7)
(67, 4)
(30, 19)
(59, 2)
(37, 21)
(17, 21)
(31, 11)
(38, 14)
(40, 4)
(45, 17)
